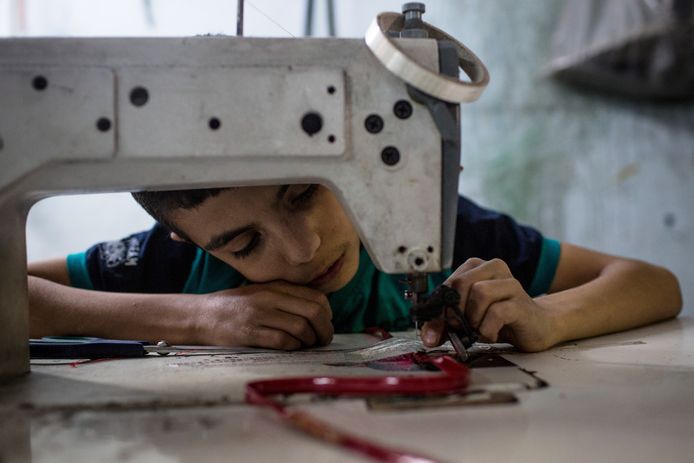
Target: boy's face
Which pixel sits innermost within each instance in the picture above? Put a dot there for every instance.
(295, 233)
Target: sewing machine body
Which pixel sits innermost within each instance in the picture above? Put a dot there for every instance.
(73, 122)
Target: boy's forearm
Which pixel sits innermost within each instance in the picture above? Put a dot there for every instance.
(625, 295)
(55, 309)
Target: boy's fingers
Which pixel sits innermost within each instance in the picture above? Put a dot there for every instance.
(273, 339)
(469, 264)
(294, 325)
(485, 293)
(432, 332)
(462, 281)
(317, 315)
(303, 292)
(488, 270)
(495, 319)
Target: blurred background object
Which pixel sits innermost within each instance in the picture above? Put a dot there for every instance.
(639, 48)
(610, 173)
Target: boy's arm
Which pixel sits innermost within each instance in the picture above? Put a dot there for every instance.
(591, 294)
(594, 293)
(276, 315)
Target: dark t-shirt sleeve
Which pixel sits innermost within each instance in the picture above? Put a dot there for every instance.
(145, 262)
(486, 234)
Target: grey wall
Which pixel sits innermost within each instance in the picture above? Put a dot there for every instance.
(602, 172)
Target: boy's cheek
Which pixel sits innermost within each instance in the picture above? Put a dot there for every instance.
(349, 270)
(352, 266)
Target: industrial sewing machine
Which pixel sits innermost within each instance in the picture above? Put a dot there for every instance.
(376, 120)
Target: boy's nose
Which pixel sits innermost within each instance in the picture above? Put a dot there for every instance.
(301, 246)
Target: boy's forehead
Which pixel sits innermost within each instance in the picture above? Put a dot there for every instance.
(248, 190)
(232, 207)
(240, 199)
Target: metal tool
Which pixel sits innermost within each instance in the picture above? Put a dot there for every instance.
(444, 302)
(79, 347)
(68, 347)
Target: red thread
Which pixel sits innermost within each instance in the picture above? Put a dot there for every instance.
(378, 332)
(454, 378)
(76, 363)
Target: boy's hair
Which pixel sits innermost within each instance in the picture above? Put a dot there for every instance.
(160, 204)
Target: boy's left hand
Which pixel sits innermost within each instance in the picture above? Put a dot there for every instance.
(496, 305)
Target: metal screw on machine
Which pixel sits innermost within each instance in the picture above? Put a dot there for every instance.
(139, 96)
(373, 123)
(413, 27)
(390, 155)
(103, 124)
(413, 9)
(214, 123)
(417, 259)
(311, 123)
(39, 83)
(402, 109)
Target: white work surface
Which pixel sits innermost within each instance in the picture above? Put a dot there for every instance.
(623, 397)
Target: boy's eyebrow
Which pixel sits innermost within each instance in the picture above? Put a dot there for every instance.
(282, 190)
(223, 238)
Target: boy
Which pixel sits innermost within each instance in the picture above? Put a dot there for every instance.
(282, 267)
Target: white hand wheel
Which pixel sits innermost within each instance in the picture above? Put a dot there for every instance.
(440, 86)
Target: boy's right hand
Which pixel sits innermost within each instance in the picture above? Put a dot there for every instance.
(278, 315)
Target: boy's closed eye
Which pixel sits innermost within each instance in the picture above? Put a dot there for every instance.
(243, 245)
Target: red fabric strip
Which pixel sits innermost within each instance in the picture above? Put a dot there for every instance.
(454, 378)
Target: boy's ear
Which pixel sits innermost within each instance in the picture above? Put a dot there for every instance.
(174, 236)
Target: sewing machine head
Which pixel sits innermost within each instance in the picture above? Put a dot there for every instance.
(376, 121)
